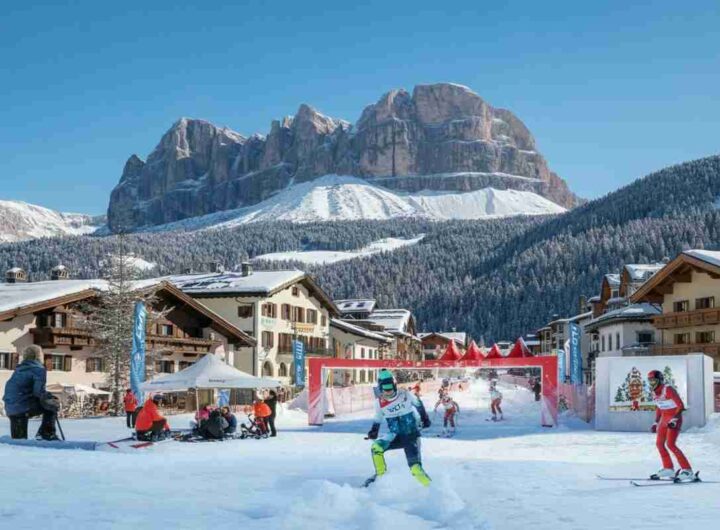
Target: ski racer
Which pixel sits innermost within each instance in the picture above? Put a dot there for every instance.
(405, 416)
(668, 422)
(451, 409)
(495, 400)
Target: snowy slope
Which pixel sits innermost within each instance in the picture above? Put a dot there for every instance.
(513, 475)
(338, 198)
(319, 257)
(20, 221)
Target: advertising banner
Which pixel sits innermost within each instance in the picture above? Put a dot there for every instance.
(576, 377)
(629, 388)
(299, 360)
(137, 356)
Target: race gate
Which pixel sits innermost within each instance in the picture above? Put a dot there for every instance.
(318, 368)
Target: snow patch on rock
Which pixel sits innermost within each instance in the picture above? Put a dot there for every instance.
(20, 221)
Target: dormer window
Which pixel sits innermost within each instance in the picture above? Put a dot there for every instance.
(295, 291)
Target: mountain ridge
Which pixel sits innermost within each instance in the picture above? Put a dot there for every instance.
(20, 221)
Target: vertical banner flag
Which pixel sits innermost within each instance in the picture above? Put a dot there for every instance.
(223, 399)
(562, 369)
(299, 359)
(575, 355)
(137, 357)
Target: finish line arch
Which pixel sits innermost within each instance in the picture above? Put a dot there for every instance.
(318, 367)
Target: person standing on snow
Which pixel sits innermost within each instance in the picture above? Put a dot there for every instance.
(130, 403)
(451, 409)
(495, 400)
(405, 416)
(668, 422)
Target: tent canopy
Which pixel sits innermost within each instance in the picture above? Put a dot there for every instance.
(80, 390)
(473, 353)
(494, 353)
(208, 372)
(519, 350)
(451, 352)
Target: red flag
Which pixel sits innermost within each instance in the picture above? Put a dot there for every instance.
(473, 353)
(451, 352)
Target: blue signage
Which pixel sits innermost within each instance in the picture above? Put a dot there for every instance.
(137, 356)
(576, 377)
(299, 360)
(562, 371)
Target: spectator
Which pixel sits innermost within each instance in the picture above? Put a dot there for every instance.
(201, 415)
(230, 419)
(271, 401)
(537, 389)
(150, 424)
(213, 428)
(26, 397)
(261, 412)
(130, 402)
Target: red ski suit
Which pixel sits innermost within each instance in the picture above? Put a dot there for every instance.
(669, 407)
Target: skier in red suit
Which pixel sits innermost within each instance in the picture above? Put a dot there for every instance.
(668, 422)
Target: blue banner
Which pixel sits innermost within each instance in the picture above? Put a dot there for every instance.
(562, 371)
(137, 357)
(223, 398)
(299, 359)
(576, 377)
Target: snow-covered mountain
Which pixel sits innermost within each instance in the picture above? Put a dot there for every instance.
(20, 221)
(342, 198)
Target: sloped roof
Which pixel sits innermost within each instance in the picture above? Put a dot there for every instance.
(613, 279)
(391, 319)
(458, 336)
(708, 256)
(356, 305)
(642, 311)
(357, 330)
(640, 272)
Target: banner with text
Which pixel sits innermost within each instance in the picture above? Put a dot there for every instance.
(575, 354)
(299, 360)
(137, 356)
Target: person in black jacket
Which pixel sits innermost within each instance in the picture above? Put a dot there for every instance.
(271, 401)
(26, 397)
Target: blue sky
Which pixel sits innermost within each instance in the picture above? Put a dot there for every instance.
(610, 91)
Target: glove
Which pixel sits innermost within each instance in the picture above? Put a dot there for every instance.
(373, 433)
(673, 423)
(653, 428)
(426, 422)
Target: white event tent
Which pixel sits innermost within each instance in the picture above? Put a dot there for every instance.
(208, 373)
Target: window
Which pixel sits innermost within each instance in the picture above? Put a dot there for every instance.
(323, 321)
(166, 330)
(617, 341)
(94, 364)
(269, 310)
(61, 363)
(602, 342)
(362, 353)
(59, 320)
(296, 291)
(362, 376)
(680, 306)
(298, 314)
(245, 311)
(312, 316)
(268, 339)
(282, 371)
(705, 303)
(185, 364)
(285, 311)
(705, 337)
(165, 367)
(614, 293)
(5, 361)
(285, 342)
(645, 337)
(682, 338)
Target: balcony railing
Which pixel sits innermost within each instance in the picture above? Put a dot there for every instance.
(699, 317)
(310, 351)
(48, 337)
(712, 348)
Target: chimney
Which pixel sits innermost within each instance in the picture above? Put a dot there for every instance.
(59, 272)
(15, 275)
(215, 266)
(583, 303)
(246, 268)
(187, 270)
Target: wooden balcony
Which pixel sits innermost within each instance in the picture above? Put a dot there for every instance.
(699, 317)
(53, 337)
(712, 349)
(180, 344)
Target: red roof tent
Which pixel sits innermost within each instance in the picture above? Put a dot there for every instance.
(494, 353)
(451, 352)
(473, 353)
(519, 350)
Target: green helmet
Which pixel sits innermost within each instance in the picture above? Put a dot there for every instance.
(386, 381)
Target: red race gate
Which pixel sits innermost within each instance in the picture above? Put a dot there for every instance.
(318, 366)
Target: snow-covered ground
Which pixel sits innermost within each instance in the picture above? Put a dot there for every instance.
(20, 221)
(321, 257)
(506, 475)
(343, 198)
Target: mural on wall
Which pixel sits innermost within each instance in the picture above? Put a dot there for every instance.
(629, 388)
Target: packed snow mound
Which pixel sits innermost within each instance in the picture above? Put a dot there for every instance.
(324, 257)
(20, 221)
(342, 198)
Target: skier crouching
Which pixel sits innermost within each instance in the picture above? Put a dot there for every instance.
(668, 422)
(402, 411)
(451, 409)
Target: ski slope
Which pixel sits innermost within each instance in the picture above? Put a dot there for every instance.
(507, 475)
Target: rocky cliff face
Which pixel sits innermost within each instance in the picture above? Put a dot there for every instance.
(440, 137)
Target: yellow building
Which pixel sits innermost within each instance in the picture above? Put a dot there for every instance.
(688, 290)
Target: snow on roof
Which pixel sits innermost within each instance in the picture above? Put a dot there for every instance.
(457, 336)
(15, 269)
(581, 316)
(17, 295)
(595, 298)
(355, 305)
(235, 282)
(391, 319)
(640, 272)
(708, 256)
(613, 279)
(642, 311)
(357, 330)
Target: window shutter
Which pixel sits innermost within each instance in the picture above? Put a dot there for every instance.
(89, 364)
(67, 363)
(48, 362)
(14, 359)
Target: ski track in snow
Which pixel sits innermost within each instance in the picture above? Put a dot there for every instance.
(506, 475)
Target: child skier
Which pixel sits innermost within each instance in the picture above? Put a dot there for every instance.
(668, 422)
(495, 400)
(451, 409)
(405, 416)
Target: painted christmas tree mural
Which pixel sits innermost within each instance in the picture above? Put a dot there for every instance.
(634, 393)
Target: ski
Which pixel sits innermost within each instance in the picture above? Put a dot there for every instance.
(369, 481)
(602, 477)
(663, 483)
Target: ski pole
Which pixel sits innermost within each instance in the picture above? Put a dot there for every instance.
(62, 434)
